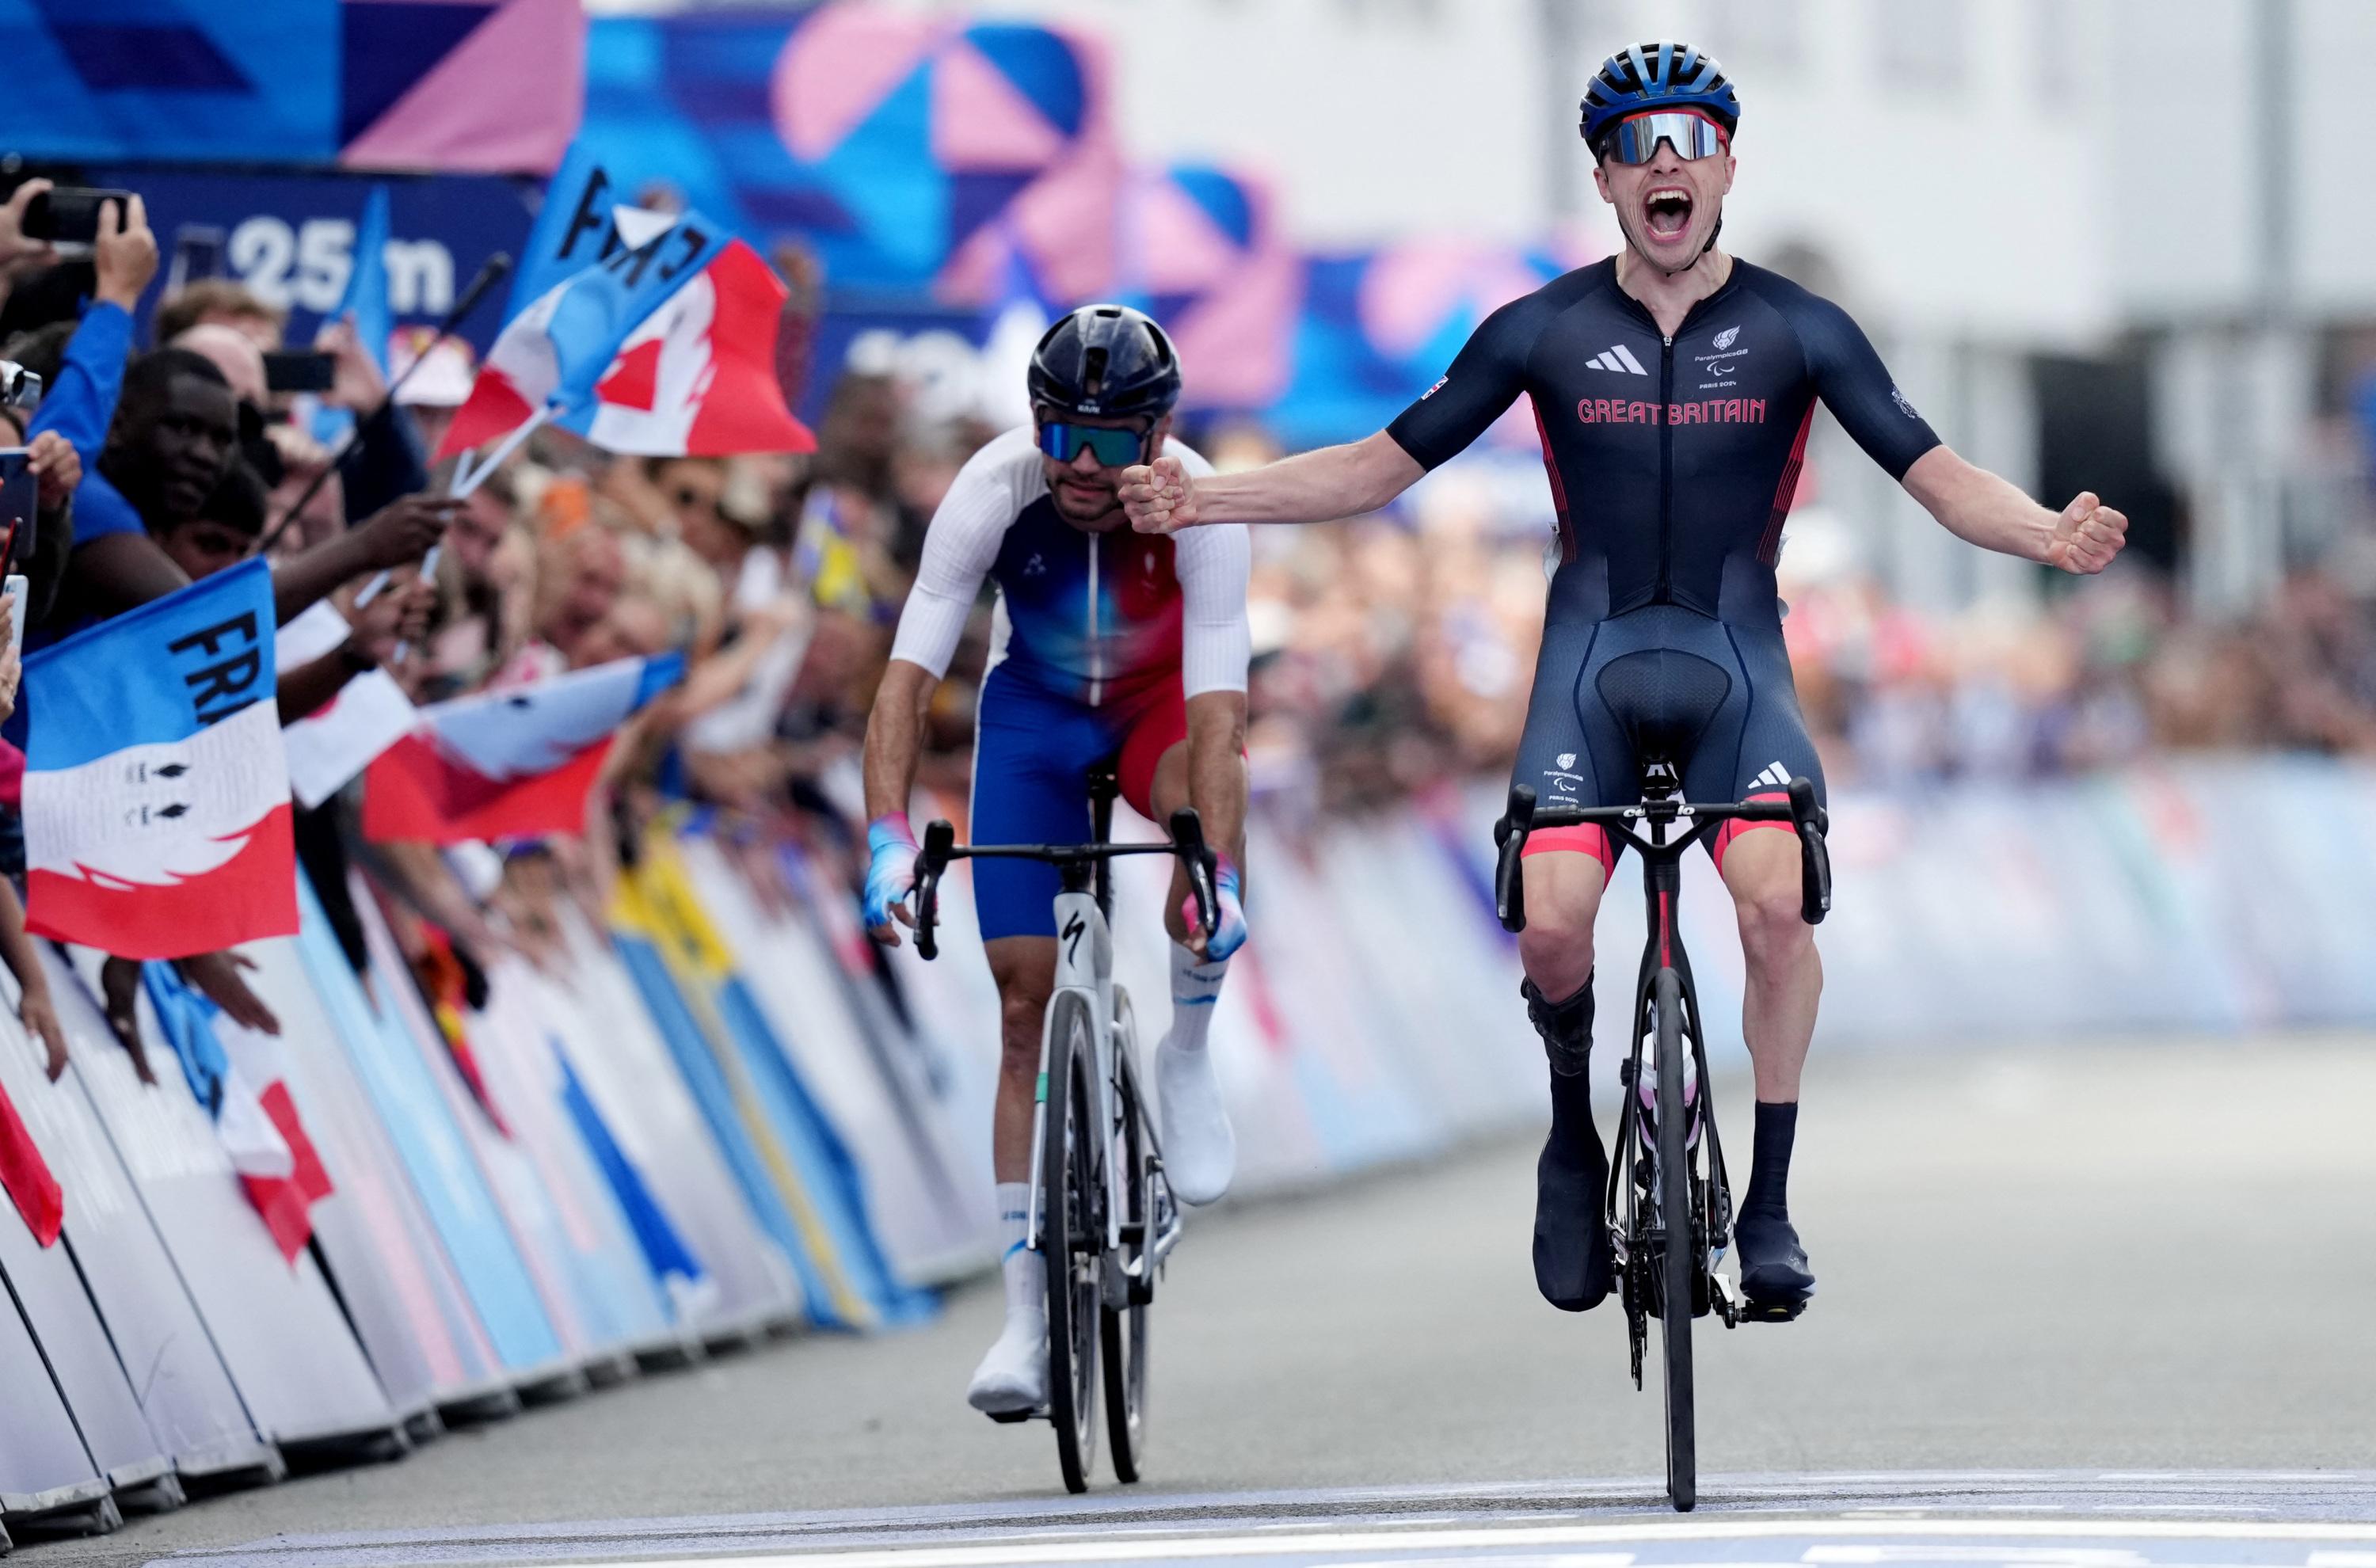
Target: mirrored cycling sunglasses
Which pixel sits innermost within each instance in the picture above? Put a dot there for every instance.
(1636, 140)
(1113, 448)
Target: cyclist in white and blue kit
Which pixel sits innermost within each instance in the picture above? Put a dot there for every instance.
(1111, 649)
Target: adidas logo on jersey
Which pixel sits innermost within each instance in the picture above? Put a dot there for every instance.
(1619, 358)
(1774, 776)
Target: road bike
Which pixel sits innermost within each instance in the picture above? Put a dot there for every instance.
(1669, 1206)
(1103, 1217)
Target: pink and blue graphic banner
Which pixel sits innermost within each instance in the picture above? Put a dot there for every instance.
(370, 83)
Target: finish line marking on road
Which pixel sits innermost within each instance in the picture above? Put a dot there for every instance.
(1345, 1542)
(2016, 1519)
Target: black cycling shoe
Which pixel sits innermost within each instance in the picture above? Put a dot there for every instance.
(1775, 1275)
(1573, 1265)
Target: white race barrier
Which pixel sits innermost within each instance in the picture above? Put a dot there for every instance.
(744, 1283)
(297, 1366)
(407, 1305)
(186, 1393)
(719, 1116)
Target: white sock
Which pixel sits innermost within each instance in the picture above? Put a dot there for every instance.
(1196, 987)
(1027, 1282)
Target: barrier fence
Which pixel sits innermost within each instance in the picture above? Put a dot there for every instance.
(723, 1116)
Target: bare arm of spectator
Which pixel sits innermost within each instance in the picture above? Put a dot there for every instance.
(34, 1008)
(399, 535)
(19, 254)
(1311, 487)
(218, 975)
(123, 571)
(399, 616)
(119, 992)
(419, 875)
(57, 467)
(1981, 508)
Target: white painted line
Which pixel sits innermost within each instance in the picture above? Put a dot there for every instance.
(2075, 1556)
(2342, 1560)
(1347, 1541)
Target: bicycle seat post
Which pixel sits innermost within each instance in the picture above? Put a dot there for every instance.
(1661, 792)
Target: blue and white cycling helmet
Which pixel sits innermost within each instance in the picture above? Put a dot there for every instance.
(1661, 75)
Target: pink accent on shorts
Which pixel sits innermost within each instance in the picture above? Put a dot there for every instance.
(1583, 838)
(1729, 831)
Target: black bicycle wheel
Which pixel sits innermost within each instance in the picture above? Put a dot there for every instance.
(1071, 1242)
(1677, 1261)
(1124, 1328)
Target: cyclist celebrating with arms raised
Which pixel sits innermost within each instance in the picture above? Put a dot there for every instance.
(1674, 387)
(1109, 648)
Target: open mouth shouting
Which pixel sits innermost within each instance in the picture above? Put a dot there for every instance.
(1666, 212)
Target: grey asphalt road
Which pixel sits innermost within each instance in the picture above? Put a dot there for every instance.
(2084, 1264)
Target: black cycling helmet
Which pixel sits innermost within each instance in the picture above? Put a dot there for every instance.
(1665, 75)
(1107, 361)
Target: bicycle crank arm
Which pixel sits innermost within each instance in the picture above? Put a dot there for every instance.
(1170, 1221)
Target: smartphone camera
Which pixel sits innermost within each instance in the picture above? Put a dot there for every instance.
(300, 370)
(19, 387)
(69, 214)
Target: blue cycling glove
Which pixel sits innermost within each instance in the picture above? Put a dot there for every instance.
(1229, 921)
(890, 869)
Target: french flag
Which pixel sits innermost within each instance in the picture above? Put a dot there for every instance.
(696, 378)
(156, 795)
(665, 346)
(515, 764)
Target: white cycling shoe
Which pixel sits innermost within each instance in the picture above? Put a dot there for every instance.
(1014, 1376)
(1200, 1152)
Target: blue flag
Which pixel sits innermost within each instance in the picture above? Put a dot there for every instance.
(366, 295)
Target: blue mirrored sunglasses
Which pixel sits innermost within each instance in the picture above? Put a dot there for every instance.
(1113, 448)
(1636, 140)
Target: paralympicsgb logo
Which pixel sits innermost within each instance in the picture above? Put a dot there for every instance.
(1725, 339)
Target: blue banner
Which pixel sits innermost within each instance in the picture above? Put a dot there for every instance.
(292, 239)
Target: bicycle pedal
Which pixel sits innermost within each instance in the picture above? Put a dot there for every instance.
(1772, 1311)
(1009, 1417)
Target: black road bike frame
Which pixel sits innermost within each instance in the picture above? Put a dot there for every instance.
(1648, 1205)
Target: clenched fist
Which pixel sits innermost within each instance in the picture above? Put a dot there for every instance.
(1159, 497)
(2087, 536)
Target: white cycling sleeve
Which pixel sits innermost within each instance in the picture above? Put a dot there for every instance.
(961, 546)
(1212, 564)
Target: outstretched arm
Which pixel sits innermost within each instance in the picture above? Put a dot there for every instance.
(1311, 487)
(1981, 508)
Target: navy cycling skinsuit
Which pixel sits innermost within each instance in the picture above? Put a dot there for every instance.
(1672, 463)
